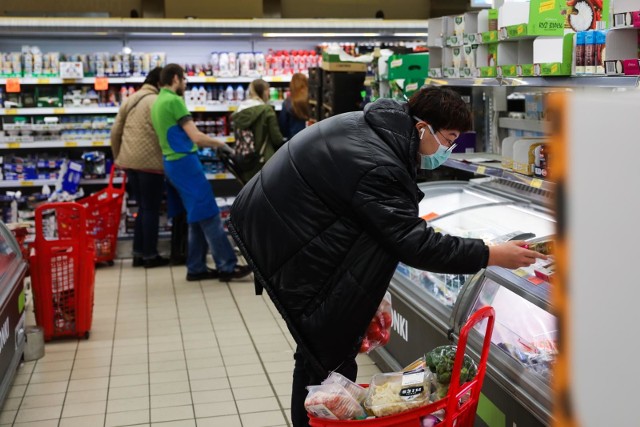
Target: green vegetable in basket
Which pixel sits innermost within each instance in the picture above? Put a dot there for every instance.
(440, 361)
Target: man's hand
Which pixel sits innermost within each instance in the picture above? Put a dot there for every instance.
(513, 255)
(226, 150)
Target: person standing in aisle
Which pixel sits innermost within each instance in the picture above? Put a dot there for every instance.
(135, 148)
(256, 119)
(295, 109)
(326, 222)
(179, 139)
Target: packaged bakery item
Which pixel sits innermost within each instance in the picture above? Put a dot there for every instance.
(397, 392)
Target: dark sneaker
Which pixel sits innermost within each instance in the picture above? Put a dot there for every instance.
(138, 261)
(205, 275)
(158, 261)
(238, 273)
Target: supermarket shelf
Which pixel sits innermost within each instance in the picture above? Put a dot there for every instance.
(221, 108)
(41, 182)
(523, 124)
(140, 79)
(582, 81)
(494, 168)
(53, 144)
(55, 111)
(219, 176)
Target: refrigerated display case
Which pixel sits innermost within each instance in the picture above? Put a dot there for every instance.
(427, 306)
(13, 268)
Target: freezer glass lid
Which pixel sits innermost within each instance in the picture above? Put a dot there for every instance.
(8, 254)
(438, 204)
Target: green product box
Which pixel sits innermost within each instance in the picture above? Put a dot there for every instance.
(525, 70)
(546, 18)
(435, 73)
(412, 86)
(49, 96)
(558, 68)
(467, 72)
(453, 41)
(486, 72)
(490, 37)
(510, 70)
(413, 66)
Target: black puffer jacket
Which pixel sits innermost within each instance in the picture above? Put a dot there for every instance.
(327, 220)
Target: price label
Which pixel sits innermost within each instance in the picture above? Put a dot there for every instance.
(220, 176)
(58, 111)
(13, 145)
(27, 183)
(536, 183)
(482, 169)
(230, 139)
(13, 85)
(210, 79)
(44, 81)
(200, 108)
(11, 111)
(98, 143)
(277, 79)
(101, 83)
(233, 108)
(70, 144)
(521, 273)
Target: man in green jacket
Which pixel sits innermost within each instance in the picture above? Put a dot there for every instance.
(256, 115)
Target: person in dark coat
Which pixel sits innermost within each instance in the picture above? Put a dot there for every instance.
(327, 220)
(295, 109)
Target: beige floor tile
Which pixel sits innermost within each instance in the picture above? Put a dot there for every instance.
(257, 405)
(87, 373)
(277, 356)
(82, 409)
(170, 388)
(281, 377)
(282, 389)
(210, 384)
(86, 421)
(242, 359)
(276, 367)
(181, 423)
(169, 400)
(21, 379)
(7, 417)
(254, 392)
(201, 363)
(86, 396)
(207, 373)
(38, 414)
(58, 356)
(212, 396)
(41, 401)
(226, 421)
(46, 423)
(194, 345)
(204, 410)
(11, 404)
(169, 377)
(128, 380)
(166, 356)
(285, 401)
(49, 377)
(248, 380)
(263, 419)
(137, 369)
(243, 370)
(127, 418)
(89, 384)
(64, 365)
(130, 404)
(167, 366)
(159, 415)
(60, 346)
(230, 351)
(129, 359)
(94, 362)
(129, 392)
(44, 388)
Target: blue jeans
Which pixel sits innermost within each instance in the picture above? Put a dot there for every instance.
(147, 189)
(209, 233)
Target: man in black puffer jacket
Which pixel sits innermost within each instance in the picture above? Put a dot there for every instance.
(327, 220)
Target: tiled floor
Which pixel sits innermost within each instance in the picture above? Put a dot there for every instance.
(164, 352)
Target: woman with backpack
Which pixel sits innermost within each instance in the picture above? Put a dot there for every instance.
(295, 110)
(256, 131)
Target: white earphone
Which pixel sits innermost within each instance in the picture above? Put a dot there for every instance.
(422, 133)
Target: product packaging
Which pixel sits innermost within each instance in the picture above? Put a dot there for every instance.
(379, 329)
(397, 392)
(332, 401)
(589, 52)
(580, 51)
(601, 42)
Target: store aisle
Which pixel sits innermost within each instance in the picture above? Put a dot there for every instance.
(164, 352)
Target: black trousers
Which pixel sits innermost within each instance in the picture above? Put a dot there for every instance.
(304, 376)
(148, 189)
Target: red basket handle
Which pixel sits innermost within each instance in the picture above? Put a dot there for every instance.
(81, 210)
(456, 391)
(112, 174)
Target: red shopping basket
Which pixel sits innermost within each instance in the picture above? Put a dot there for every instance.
(456, 413)
(103, 218)
(62, 271)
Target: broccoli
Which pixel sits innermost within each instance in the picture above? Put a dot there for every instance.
(441, 359)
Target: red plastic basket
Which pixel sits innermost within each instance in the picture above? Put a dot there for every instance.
(103, 218)
(62, 271)
(460, 415)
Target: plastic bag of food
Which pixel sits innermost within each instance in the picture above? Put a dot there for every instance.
(440, 361)
(379, 329)
(332, 401)
(397, 392)
(356, 391)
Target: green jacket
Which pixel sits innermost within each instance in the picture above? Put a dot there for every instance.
(261, 119)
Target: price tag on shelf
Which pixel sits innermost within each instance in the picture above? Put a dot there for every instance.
(220, 176)
(481, 170)
(230, 139)
(536, 183)
(58, 111)
(101, 83)
(277, 79)
(13, 85)
(233, 107)
(44, 81)
(210, 79)
(200, 108)
(13, 145)
(11, 111)
(70, 144)
(27, 183)
(98, 143)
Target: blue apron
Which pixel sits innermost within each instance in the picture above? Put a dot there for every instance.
(187, 176)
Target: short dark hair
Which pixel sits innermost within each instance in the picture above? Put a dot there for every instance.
(153, 78)
(166, 76)
(442, 108)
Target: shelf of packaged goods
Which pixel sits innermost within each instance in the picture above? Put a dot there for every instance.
(493, 167)
(56, 111)
(52, 144)
(219, 176)
(523, 124)
(41, 182)
(223, 108)
(140, 79)
(560, 82)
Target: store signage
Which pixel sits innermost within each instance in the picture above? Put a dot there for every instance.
(4, 334)
(13, 85)
(101, 83)
(400, 325)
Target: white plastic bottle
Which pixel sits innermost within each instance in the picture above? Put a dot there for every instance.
(224, 64)
(202, 95)
(229, 94)
(233, 64)
(215, 63)
(240, 93)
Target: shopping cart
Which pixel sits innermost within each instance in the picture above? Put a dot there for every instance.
(103, 218)
(456, 413)
(62, 270)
